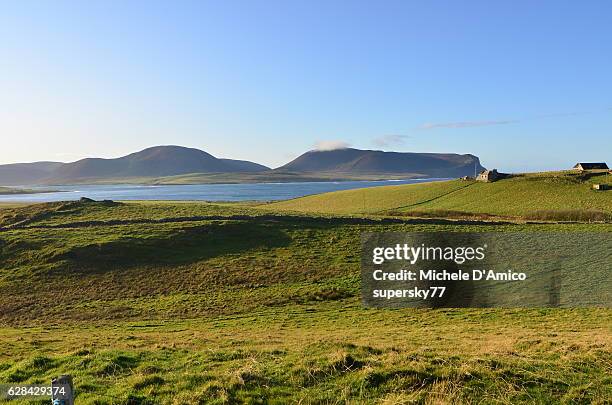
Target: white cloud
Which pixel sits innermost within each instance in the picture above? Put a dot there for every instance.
(331, 145)
(484, 123)
(389, 140)
(466, 124)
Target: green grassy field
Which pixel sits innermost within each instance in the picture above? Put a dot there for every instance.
(11, 190)
(188, 303)
(8, 190)
(253, 177)
(522, 195)
(273, 176)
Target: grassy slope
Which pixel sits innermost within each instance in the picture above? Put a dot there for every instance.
(219, 303)
(230, 178)
(271, 176)
(4, 204)
(515, 196)
(368, 200)
(10, 190)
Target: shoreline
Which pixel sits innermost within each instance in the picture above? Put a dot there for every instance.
(267, 191)
(17, 191)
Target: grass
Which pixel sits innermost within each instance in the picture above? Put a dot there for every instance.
(576, 215)
(331, 352)
(519, 196)
(4, 204)
(272, 176)
(11, 190)
(255, 177)
(568, 215)
(192, 303)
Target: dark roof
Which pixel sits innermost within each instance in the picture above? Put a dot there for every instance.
(591, 166)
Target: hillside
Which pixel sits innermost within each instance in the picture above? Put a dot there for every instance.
(271, 176)
(198, 303)
(10, 191)
(155, 161)
(351, 160)
(26, 173)
(516, 196)
(149, 163)
(180, 165)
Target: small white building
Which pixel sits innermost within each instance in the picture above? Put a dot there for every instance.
(489, 176)
(582, 166)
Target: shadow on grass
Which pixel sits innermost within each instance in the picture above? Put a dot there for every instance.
(182, 246)
(24, 216)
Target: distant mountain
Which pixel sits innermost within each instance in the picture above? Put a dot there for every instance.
(157, 161)
(26, 173)
(166, 162)
(351, 160)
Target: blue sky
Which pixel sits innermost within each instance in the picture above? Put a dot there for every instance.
(525, 85)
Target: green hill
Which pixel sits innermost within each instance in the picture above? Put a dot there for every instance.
(167, 160)
(357, 161)
(271, 176)
(11, 190)
(520, 195)
(223, 303)
(17, 174)
(8, 190)
(147, 164)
